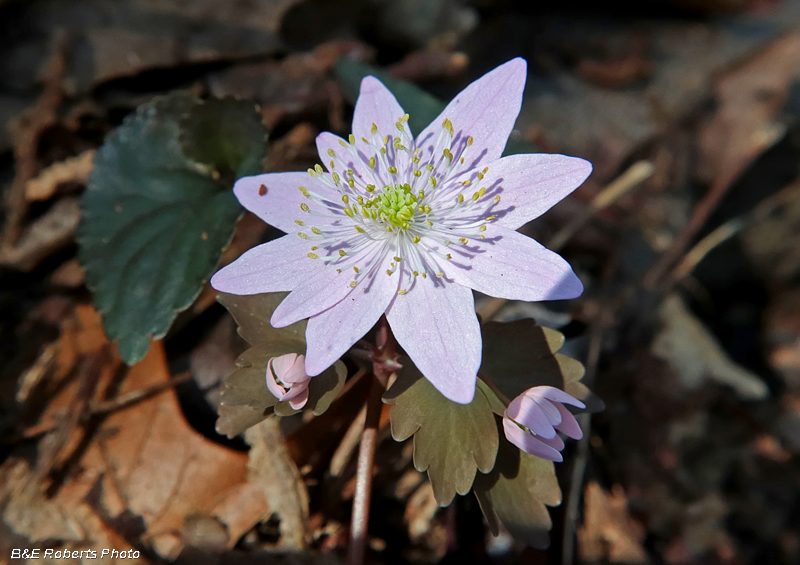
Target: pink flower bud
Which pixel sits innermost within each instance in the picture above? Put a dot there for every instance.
(287, 379)
(531, 420)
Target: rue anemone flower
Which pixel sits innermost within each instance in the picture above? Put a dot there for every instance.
(407, 226)
(531, 420)
(287, 379)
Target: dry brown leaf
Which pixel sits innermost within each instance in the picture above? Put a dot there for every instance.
(48, 234)
(73, 170)
(70, 274)
(608, 532)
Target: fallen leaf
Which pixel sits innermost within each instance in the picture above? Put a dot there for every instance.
(696, 355)
(608, 531)
(73, 170)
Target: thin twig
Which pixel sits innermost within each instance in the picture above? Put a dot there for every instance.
(634, 176)
(136, 396)
(347, 446)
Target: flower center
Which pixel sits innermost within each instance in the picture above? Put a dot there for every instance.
(396, 205)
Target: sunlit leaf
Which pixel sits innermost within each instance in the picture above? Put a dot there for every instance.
(451, 441)
(154, 223)
(516, 492)
(245, 394)
(519, 355)
(422, 107)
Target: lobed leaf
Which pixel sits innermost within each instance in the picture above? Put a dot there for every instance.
(245, 399)
(154, 222)
(516, 493)
(451, 441)
(519, 355)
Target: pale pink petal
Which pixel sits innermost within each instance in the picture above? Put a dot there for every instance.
(327, 142)
(549, 409)
(376, 105)
(528, 185)
(300, 400)
(277, 390)
(276, 266)
(555, 443)
(313, 295)
(527, 412)
(282, 364)
(485, 110)
(295, 373)
(436, 324)
(510, 265)
(569, 425)
(278, 202)
(331, 333)
(557, 395)
(529, 443)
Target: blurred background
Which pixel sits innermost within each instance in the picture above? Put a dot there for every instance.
(687, 238)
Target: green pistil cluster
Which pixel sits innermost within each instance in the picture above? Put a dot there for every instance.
(396, 205)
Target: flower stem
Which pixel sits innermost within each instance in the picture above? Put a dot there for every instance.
(369, 440)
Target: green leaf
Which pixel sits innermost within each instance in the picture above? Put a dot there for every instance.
(422, 107)
(227, 134)
(153, 225)
(245, 394)
(451, 441)
(516, 492)
(519, 355)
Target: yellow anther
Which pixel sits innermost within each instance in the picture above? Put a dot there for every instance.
(393, 170)
(483, 236)
(440, 275)
(429, 167)
(404, 118)
(348, 211)
(336, 177)
(356, 269)
(304, 207)
(415, 159)
(482, 228)
(351, 183)
(389, 272)
(447, 242)
(304, 190)
(342, 143)
(339, 271)
(364, 139)
(332, 164)
(497, 199)
(463, 240)
(398, 259)
(417, 173)
(313, 256)
(470, 141)
(416, 274)
(342, 253)
(446, 152)
(448, 125)
(372, 162)
(345, 199)
(433, 181)
(300, 222)
(352, 139)
(359, 229)
(421, 195)
(401, 291)
(385, 139)
(331, 152)
(302, 235)
(318, 168)
(353, 284)
(374, 128)
(449, 256)
(415, 239)
(424, 276)
(460, 198)
(490, 218)
(314, 248)
(400, 126)
(312, 172)
(480, 176)
(467, 182)
(317, 231)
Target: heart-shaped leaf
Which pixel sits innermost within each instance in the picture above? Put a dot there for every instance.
(519, 355)
(451, 441)
(245, 398)
(516, 492)
(422, 107)
(154, 223)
